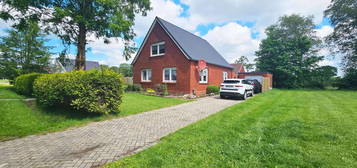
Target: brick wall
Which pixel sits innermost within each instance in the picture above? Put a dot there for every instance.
(187, 74)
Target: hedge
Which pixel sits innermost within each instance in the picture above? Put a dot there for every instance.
(95, 91)
(24, 83)
(133, 88)
(212, 89)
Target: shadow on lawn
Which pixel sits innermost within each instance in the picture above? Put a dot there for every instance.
(63, 112)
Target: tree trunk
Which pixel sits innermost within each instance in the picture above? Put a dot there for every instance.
(81, 48)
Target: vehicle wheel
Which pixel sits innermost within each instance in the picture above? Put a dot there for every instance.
(244, 95)
(222, 97)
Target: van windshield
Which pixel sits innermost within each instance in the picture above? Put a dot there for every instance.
(231, 81)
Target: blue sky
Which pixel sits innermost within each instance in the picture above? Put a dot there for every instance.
(234, 28)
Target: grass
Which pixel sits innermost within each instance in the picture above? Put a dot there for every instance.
(20, 118)
(7, 92)
(280, 128)
(4, 81)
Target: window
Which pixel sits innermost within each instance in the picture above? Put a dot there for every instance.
(169, 75)
(204, 76)
(225, 75)
(158, 49)
(146, 75)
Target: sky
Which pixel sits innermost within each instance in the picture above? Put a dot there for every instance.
(233, 27)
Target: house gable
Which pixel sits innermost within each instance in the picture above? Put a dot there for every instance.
(156, 24)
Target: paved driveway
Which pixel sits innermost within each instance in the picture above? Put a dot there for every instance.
(106, 141)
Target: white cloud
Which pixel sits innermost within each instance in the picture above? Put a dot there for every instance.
(113, 51)
(324, 31)
(167, 10)
(232, 41)
(263, 13)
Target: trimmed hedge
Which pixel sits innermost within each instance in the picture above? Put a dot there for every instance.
(95, 91)
(133, 88)
(24, 83)
(212, 89)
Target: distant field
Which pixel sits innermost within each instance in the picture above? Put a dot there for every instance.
(280, 128)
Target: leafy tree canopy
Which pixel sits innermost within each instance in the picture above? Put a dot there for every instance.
(23, 51)
(343, 16)
(289, 51)
(74, 20)
(124, 68)
(244, 60)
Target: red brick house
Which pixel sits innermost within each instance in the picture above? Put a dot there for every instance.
(170, 54)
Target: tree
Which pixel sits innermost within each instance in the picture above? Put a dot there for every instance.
(23, 51)
(343, 16)
(321, 77)
(289, 51)
(124, 68)
(74, 20)
(244, 60)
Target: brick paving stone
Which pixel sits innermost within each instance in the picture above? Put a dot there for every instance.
(101, 142)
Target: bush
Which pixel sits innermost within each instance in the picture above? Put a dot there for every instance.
(24, 83)
(162, 89)
(212, 89)
(93, 91)
(133, 88)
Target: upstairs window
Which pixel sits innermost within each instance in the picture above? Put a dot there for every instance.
(146, 75)
(169, 75)
(204, 76)
(158, 49)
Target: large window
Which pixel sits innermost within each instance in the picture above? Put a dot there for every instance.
(204, 76)
(169, 75)
(225, 75)
(146, 75)
(158, 49)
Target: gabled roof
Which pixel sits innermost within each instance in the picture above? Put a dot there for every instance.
(69, 65)
(193, 47)
(238, 68)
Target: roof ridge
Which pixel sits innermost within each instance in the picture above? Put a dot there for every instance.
(181, 28)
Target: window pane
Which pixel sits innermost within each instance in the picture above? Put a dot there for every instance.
(161, 48)
(144, 74)
(149, 74)
(154, 50)
(167, 74)
(173, 75)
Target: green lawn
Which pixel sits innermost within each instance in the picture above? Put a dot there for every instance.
(280, 128)
(7, 92)
(19, 118)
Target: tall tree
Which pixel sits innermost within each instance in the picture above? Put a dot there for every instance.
(289, 51)
(244, 60)
(343, 16)
(74, 20)
(23, 51)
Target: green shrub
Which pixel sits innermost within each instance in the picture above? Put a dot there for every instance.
(133, 88)
(93, 91)
(212, 89)
(24, 83)
(162, 89)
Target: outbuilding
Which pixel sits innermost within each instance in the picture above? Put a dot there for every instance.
(186, 63)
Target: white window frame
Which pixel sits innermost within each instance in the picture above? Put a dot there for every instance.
(170, 75)
(225, 75)
(201, 76)
(158, 51)
(148, 73)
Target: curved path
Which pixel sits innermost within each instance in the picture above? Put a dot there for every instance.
(98, 143)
